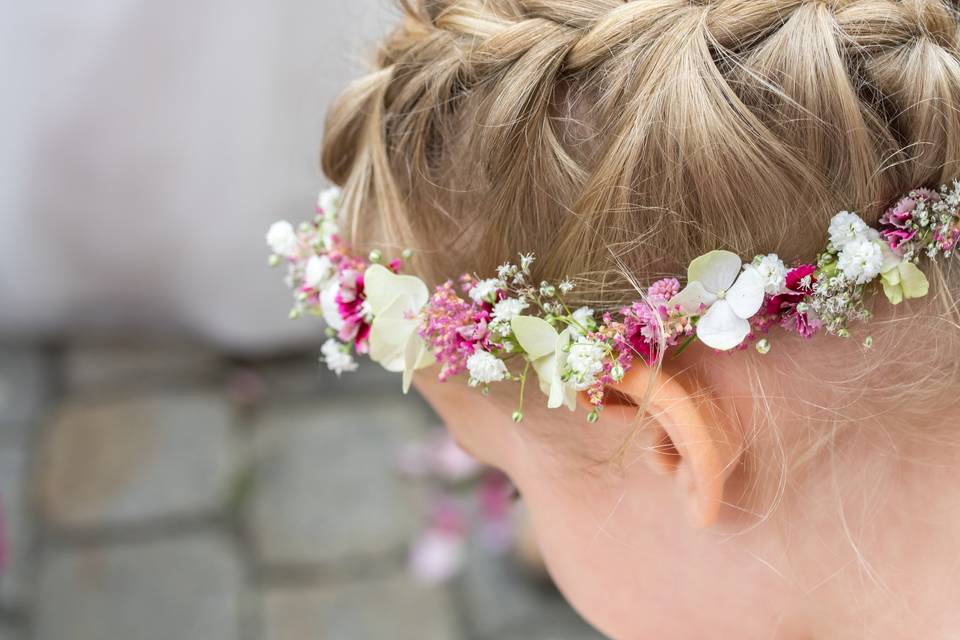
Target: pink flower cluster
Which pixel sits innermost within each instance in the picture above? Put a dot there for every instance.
(455, 328)
(784, 309)
(898, 226)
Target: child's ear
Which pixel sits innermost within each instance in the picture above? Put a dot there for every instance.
(682, 435)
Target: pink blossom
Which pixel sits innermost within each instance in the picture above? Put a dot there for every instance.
(783, 308)
(455, 328)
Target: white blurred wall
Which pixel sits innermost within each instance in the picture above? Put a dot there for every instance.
(147, 145)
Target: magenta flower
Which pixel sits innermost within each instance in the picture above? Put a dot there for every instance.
(800, 282)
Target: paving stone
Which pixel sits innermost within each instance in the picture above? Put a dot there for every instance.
(389, 609)
(172, 588)
(122, 462)
(325, 489)
(25, 388)
(10, 632)
(101, 369)
(305, 376)
(14, 587)
(502, 600)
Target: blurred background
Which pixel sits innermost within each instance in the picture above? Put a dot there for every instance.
(173, 463)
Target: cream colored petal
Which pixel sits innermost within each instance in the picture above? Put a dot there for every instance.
(746, 295)
(716, 270)
(560, 393)
(382, 286)
(416, 355)
(536, 336)
(722, 329)
(389, 334)
(690, 299)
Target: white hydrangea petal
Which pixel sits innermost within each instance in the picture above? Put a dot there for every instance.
(716, 270)
(416, 355)
(382, 286)
(389, 333)
(329, 308)
(746, 296)
(690, 299)
(561, 393)
(545, 368)
(536, 336)
(722, 329)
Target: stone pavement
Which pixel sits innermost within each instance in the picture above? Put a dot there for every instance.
(166, 492)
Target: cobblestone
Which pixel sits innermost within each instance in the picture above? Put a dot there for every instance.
(325, 489)
(502, 602)
(173, 588)
(14, 587)
(25, 389)
(93, 369)
(125, 462)
(389, 609)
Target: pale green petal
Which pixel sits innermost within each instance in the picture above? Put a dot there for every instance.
(545, 367)
(690, 299)
(894, 292)
(535, 335)
(382, 286)
(892, 277)
(746, 295)
(560, 393)
(890, 259)
(915, 283)
(722, 329)
(716, 270)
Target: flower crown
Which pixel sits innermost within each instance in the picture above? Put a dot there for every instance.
(480, 325)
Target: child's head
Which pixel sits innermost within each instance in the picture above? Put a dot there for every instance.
(718, 496)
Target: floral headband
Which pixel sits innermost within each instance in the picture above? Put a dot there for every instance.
(480, 325)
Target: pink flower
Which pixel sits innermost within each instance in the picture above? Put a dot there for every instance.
(783, 307)
(455, 329)
(351, 308)
(663, 290)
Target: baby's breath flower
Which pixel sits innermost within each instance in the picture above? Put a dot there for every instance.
(526, 260)
(337, 357)
(508, 309)
(485, 290)
(566, 287)
(845, 228)
(861, 260)
(485, 368)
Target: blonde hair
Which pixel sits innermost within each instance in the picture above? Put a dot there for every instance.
(611, 136)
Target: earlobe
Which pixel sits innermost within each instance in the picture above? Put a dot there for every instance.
(683, 436)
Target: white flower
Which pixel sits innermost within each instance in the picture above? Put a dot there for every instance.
(861, 260)
(508, 309)
(283, 239)
(773, 272)
(485, 368)
(338, 359)
(318, 272)
(329, 306)
(584, 321)
(329, 202)
(730, 294)
(585, 362)
(546, 350)
(566, 287)
(526, 260)
(395, 303)
(484, 290)
(845, 227)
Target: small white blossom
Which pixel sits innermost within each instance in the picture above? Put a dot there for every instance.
(485, 290)
(566, 287)
(506, 271)
(846, 227)
(508, 309)
(583, 317)
(329, 202)
(337, 358)
(318, 272)
(773, 272)
(485, 368)
(861, 260)
(585, 362)
(282, 239)
(526, 260)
